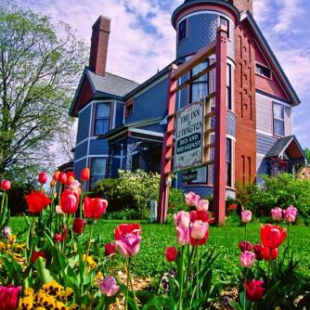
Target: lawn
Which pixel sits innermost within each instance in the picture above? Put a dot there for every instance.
(151, 262)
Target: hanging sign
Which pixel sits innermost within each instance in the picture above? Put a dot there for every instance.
(189, 136)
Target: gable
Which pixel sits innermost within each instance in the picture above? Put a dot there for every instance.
(280, 85)
(271, 86)
(83, 95)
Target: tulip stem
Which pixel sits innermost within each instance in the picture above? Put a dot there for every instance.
(269, 265)
(130, 279)
(182, 280)
(90, 235)
(127, 291)
(244, 295)
(2, 203)
(288, 240)
(245, 231)
(66, 237)
(81, 201)
(197, 270)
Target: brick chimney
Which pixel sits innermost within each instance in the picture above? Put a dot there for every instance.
(99, 45)
(243, 5)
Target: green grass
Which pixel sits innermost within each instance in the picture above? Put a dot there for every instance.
(155, 238)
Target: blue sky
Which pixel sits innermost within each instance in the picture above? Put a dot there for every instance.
(142, 39)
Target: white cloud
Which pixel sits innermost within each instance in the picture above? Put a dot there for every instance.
(288, 13)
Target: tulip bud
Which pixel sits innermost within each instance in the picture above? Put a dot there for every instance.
(171, 254)
(85, 175)
(191, 199)
(257, 248)
(254, 290)
(245, 246)
(52, 183)
(42, 177)
(203, 205)
(36, 255)
(109, 249)
(62, 178)
(276, 214)
(246, 216)
(5, 185)
(78, 226)
(108, 286)
(290, 214)
(247, 259)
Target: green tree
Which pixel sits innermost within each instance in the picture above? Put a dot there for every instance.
(307, 153)
(38, 73)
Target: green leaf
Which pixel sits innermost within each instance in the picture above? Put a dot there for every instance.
(43, 273)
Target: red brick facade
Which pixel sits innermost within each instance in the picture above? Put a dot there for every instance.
(245, 106)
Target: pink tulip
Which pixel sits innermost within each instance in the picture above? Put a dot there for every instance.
(108, 286)
(182, 235)
(202, 205)
(42, 177)
(199, 229)
(247, 259)
(9, 297)
(246, 216)
(191, 199)
(290, 214)
(128, 245)
(59, 210)
(276, 214)
(181, 219)
(74, 186)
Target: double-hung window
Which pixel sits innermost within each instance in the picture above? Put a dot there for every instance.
(228, 162)
(98, 170)
(102, 118)
(228, 88)
(278, 119)
(200, 87)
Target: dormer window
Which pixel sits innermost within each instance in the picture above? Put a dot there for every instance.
(182, 30)
(263, 71)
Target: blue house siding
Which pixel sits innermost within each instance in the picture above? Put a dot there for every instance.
(78, 166)
(202, 31)
(81, 150)
(264, 143)
(151, 103)
(98, 147)
(83, 125)
(153, 127)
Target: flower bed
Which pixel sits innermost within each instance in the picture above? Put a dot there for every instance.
(61, 267)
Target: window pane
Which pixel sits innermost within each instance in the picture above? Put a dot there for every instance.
(103, 110)
(98, 167)
(198, 91)
(101, 126)
(201, 175)
(228, 150)
(200, 68)
(278, 111)
(182, 30)
(278, 127)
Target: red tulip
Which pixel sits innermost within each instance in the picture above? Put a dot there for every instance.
(5, 185)
(272, 236)
(56, 175)
(61, 237)
(109, 249)
(62, 178)
(269, 253)
(69, 202)
(94, 207)
(257, 248)
(245, 246)
(254, 290)
(171, 254)
(36, 255)
(9, 297)
(124, 229)
(199, 227)
(42, 177)
(78, 226)
(70, 174)
(85, 174)
(37, 201)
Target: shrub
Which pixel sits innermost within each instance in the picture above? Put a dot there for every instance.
(118, 201)
(282, 191)
(141, 186)
(176, 201)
